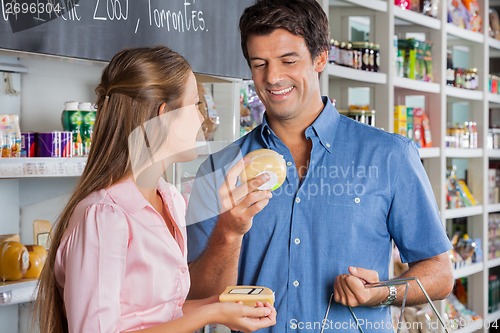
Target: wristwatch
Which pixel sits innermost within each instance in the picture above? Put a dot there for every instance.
(393, 293)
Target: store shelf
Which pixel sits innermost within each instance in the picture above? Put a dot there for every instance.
(493, 263)
(468, 270)
(16, 292)
(472, 327)
(337, 71)
(465, 94)
(377, 5)
(471, 36)
(494, 43)
(494, 98)
(492, 317)
(493, 153)
(422, 86)
(463, 153)
(417, 18)
(463, 212)
(429, 152)
(41, 167)
(493, 208)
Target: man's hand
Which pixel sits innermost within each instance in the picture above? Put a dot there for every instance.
(241, 203)
(351, 290)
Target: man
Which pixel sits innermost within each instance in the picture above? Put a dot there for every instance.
(350, 190)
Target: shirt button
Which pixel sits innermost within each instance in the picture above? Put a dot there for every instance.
(268, 132)
(327, 145)
(357, 200)
(297, 200)
(297, 241)
(183, 270)
(296, 283)
(179, 304)
(289, 163)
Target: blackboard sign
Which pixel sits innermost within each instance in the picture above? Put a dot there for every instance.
(205, 32)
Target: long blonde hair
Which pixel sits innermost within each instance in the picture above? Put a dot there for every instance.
(133, 86)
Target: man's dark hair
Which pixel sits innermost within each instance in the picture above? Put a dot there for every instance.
(303, 18)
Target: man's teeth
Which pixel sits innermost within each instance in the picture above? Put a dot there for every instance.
(281, 92)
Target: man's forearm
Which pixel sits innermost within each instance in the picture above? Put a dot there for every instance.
(217, 267)
(436, 276)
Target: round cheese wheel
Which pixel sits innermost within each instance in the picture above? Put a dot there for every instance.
(265, 161)
(14, 261)
(35, 266)
(38, 249)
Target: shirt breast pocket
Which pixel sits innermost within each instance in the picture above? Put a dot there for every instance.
(355, 221)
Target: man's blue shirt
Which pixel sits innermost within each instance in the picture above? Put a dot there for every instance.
(364, 188)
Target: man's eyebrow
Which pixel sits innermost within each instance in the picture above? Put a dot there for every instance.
(289, 54)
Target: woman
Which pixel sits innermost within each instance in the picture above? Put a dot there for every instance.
(118, 258)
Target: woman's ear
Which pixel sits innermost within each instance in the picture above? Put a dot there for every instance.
(162, 109)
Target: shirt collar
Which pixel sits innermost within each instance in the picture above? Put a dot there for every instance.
(324, 127)
(127, 195)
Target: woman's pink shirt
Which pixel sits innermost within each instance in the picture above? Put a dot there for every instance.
(118, 266)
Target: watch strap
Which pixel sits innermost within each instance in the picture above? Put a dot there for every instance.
(393, 293)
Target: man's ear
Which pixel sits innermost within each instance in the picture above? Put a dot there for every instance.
(161, 109)
(320, 61)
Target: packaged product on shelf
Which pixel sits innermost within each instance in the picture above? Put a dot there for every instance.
(10, 135)
(251, 108)
(71, 119)
(54, 144)
(364, 50)
(400, 120)
(28, 144)
(88, 115)
(376, 63)
(457, 191)
(333, 54)
(409, 123)
(458, 315)
(493, 293)
(362, 113)
(474, 20)
(414, 5)
(418, 130)
(428, 75)
(457, 14)
(209, 112)
(466, 247)
(494, 28)
(493, 83)
(450, 71)
(427, 137)
(403, 4)
(42, 233)
(430, 7)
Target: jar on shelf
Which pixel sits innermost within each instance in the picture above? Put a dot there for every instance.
(363, 48)
(333, 54)
(376, 63)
